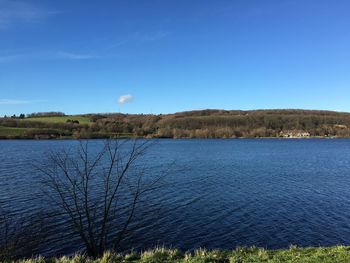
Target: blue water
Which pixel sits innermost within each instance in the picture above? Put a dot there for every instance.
(219, 193)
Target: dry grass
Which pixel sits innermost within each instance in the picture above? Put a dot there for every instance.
(240, 255)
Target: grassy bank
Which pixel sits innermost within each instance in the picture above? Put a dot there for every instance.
(320, 254)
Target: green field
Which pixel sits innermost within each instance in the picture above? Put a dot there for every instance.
(60, 119)
(10, 131)
(334, 254)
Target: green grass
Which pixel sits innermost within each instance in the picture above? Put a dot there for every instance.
(11, 131)
(334, 254)
(60, 119)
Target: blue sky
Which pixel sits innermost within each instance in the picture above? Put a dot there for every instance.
(172, 55)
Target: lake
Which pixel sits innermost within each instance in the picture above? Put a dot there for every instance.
(219, 193)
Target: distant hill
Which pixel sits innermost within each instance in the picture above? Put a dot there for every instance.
(190, 124)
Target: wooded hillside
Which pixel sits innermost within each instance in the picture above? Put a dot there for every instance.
(190, 124)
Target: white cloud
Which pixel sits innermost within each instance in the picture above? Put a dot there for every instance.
(125, 99)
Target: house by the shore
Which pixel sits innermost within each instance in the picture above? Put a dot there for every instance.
(294, 134)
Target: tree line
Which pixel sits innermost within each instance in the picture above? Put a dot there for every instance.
(195, 124)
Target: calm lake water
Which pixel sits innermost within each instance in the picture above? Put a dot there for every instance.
(220, 194)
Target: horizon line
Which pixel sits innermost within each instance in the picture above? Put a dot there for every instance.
(183, 111)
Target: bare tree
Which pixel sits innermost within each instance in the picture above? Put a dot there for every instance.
(99, 192)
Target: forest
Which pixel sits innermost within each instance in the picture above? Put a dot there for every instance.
(188, 124)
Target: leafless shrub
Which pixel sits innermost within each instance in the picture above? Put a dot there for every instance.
(100, 192)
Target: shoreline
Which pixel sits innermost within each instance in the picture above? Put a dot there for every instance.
(171, 138)
(329, 254)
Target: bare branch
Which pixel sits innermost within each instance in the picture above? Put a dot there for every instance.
(98, 192)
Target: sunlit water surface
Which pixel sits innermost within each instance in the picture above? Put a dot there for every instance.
(219, 193)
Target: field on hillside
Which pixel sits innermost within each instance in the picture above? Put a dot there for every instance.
(10, 131)
(60, 119)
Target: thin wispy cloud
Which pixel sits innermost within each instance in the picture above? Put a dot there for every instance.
(8, 58)
(136, 37)
(232, 9)
(17, 12)
(99, 49)
(149, 37)
(43, 56)
(208, 11)
(15, 102)
(75, 56)
(125, 99)
(269, 9)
